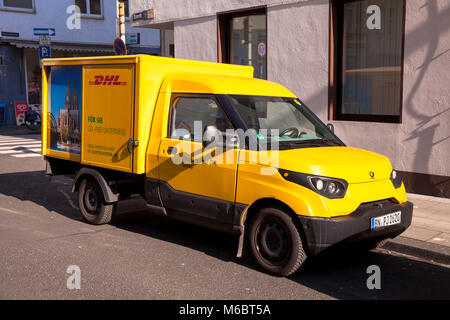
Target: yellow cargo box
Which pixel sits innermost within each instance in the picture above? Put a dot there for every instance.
(100, 109)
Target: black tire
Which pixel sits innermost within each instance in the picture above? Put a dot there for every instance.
(91, 201)
(275, 242)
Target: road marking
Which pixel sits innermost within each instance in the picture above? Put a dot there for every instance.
(26, 155)
(28, 136)
(20, 151)
(17, 140)
(20, 147)
(25, 148)
(18, 143)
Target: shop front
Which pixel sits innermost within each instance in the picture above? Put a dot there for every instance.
(25, 75)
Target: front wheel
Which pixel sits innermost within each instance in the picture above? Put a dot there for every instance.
(275, 242)
(92, 203)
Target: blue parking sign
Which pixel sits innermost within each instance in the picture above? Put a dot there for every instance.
(44, 52)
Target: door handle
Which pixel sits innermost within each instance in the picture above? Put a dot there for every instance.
(132, 144)
(172, 150)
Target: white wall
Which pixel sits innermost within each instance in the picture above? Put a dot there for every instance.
(196, 39)
(177, 10)
(52, 14)
(297, 51)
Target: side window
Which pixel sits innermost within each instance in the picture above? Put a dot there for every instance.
(189, 113)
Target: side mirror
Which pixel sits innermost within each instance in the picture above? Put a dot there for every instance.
(330, 127)
(211, 135)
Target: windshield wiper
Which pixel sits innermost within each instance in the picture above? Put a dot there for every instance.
(308, 143)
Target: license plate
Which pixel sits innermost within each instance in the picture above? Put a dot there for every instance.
(386, 220)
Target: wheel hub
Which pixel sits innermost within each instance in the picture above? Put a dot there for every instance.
(273, 242)
(91, 199)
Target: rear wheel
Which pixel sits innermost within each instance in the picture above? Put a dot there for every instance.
(92, 203)
(275, 242)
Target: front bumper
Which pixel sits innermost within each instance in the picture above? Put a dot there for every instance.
(322, 233)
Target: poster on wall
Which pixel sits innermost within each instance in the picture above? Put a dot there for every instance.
(21, 108)
(65, 108)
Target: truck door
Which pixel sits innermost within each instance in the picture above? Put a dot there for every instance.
(194, 180)
(108, 109)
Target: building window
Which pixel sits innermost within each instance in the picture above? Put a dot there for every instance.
(90, 7)
(21, 5)
(243, 40)
(368, 45)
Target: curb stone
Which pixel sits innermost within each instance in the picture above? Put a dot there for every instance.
(419, 249)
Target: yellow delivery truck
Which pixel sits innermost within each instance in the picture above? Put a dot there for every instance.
(208, 144)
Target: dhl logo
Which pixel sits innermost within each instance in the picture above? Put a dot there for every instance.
(107, 81)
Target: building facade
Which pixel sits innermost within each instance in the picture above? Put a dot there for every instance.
(21, 22)
(378, 70)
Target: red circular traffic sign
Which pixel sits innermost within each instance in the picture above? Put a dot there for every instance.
(119, 47)
(261, 49)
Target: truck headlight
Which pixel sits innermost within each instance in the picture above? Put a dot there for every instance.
(395, 179)
(331, 188)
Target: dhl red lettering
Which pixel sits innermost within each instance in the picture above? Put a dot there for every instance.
(108, 80)
(116, 81)
(98, 80)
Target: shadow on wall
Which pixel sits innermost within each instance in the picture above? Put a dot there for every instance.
(427, 35)
(12, 88)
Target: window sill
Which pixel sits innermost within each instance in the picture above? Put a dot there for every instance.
(369, 118)
(19, 10)
(92, 17)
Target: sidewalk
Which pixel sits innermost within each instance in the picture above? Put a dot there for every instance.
(13, 130)
(428, 237)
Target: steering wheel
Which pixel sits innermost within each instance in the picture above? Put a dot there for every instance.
(293, 132)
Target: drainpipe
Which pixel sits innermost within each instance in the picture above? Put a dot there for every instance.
(122, 21)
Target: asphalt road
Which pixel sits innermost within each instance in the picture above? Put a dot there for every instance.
(140, 256)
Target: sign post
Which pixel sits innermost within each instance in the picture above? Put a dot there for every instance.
(133, 38)
(51, 32)
(44, 48)
(144, 15)
(120, 49)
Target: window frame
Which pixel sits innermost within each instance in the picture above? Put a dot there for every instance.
(89, 15)
(336, 69)
(224, 35)
(17, 9)
(176, 96)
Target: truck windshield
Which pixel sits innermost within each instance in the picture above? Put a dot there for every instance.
(284, 120)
